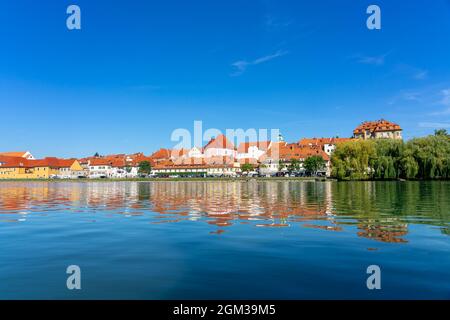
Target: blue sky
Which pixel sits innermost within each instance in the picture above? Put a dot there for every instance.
(137, 70)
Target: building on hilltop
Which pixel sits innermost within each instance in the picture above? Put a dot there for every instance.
(381, 129)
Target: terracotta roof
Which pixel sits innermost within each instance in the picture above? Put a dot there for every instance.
(52, 162)
(189, 161)
(322, 141)
(274, 150)
(161, 154)
(220, 142)
(13, 154)
(171, 165)
(100, 162)
(137, 160)
(301, 152)
(65, 163)
(377, 126)
(179, 153)
(15, 162)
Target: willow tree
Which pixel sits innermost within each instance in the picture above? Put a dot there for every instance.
(351, 160)
(432, 155)
(386, 162)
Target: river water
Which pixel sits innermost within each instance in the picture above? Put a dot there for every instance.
(225, 239)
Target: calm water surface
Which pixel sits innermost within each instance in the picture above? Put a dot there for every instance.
(224, 240)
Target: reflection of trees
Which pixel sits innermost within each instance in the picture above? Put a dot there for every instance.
(384, 209)
(380, 210)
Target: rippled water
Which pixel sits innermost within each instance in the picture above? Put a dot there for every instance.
(224, 240)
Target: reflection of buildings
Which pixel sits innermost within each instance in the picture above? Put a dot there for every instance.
(218, 203)
(383, 232)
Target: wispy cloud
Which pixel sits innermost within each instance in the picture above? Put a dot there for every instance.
(272, 22)
(146, 87)
(446, 97)
(411, 71)
(241, 66)
(445, 101)
(435, 125)
(420, 75)
(408, 95)
(373, 60)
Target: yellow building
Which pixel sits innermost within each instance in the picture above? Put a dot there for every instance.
(20, 168)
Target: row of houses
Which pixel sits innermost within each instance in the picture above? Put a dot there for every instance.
(218, 157)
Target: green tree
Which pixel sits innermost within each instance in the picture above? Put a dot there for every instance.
(441, 132)
(145, 167)
(419, 158)
(246, 167)
(281, 165)
(386, 162)
(351, 160)
(294, 165)
(314, 164)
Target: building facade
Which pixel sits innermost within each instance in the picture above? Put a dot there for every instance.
(381, 129)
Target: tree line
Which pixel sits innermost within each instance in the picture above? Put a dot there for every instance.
(425, 158)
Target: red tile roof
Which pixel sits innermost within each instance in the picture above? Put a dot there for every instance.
(15, 162)
(13, 154)
(299, 152)
(175, 153)
(323, 141)
(377, 126)
(220, 142)
(100, 162)
(161, 154)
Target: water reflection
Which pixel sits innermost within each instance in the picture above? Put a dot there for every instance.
(382, 211)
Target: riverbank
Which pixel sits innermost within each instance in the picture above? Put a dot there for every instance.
(167, 179)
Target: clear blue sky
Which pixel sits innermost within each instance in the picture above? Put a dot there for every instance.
(140, 69)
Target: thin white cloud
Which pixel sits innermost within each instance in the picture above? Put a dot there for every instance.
(272, 22)
(446, 97)
(241, 66)
(145, 87)
(434, 125)
(421, 75)
(445, 101)
(411, 71)
(409, 96)
(373, 60)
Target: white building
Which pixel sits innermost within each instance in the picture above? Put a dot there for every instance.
(100, 168)
(252, 150)
(220, 147)
(196, 152)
